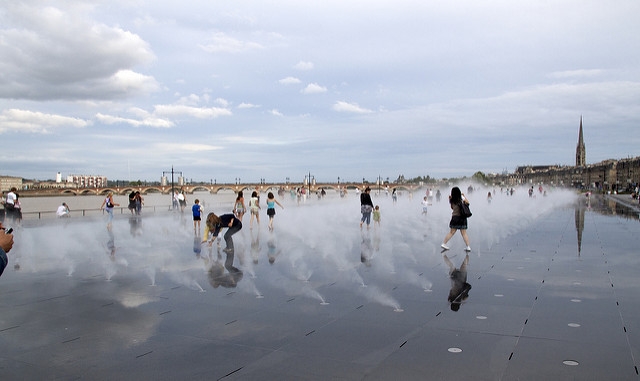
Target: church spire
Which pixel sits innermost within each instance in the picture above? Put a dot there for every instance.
(581, 155)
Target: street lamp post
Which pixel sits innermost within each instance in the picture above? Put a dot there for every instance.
(309, 185)
(172, 187)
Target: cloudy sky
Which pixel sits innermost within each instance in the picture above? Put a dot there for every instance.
(274, 89)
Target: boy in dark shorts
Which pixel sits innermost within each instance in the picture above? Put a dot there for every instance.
(196, 209)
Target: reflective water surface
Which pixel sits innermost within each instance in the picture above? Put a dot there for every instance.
(549, 290)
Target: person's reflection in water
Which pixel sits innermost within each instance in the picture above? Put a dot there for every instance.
(255, 245)
(272, 251)
(135, 225)
(197, 246)
(111, 244)
(366, 249)
(376, 240)
(217, 276)
(459, 287)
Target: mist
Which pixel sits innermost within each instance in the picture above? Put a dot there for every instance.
(316, 245)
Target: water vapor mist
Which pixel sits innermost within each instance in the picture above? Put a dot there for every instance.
(315, 245)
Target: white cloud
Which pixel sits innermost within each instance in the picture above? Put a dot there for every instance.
(247, 105)
(303, 66)
(38, 122)
(222, 43)
(118, 64)
(196, 112)
(148, 121)
(314, 88)
(289, 81)
(56, 53)
(342, 106)
(184, 147)
(222, 102)
(191, 99)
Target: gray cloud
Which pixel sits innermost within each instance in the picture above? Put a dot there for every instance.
(353, 89)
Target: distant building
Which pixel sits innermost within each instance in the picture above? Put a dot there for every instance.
(86, 181)
(608, 175)
(8, 182)
(581, 153)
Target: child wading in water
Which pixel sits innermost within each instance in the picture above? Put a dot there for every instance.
(196, 209)
(239, 208)
(254, 206)
(376, 216)
(271, 208)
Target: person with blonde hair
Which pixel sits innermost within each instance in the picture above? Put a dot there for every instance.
(215, 223)
(108, 204)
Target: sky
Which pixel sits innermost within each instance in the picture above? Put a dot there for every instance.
(270, 90)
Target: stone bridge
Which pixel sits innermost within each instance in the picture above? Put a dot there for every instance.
(212, 188)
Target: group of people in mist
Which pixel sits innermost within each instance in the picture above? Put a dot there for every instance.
(458, 202)
(232, 222)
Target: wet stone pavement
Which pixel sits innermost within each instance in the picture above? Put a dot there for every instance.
(559, 299)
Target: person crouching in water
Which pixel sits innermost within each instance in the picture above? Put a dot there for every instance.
(214, 224)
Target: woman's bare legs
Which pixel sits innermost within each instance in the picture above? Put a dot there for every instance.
(452, 231)
(464, 236)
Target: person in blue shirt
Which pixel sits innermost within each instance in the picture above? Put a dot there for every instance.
(196, 209)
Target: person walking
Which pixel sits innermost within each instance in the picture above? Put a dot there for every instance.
(271, 208)
(139, 201)
(182, 200)
(376, 216)
(254, 205)
(458, 221)
(425, 205)
(214, 224)
(366, 207)
(239, 209)
(132, 202)
(10, 204)
(108, 204)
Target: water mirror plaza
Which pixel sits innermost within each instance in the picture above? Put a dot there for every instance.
(554, 294)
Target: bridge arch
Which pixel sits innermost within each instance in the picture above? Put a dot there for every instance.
(217, 188)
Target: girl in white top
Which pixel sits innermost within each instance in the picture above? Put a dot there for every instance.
(254, 205)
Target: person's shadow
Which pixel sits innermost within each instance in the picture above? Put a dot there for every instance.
(218, 277)
(459, 287)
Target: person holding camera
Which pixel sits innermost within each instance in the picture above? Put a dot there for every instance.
(6, 243)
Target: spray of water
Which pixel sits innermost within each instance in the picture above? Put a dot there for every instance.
(313, 245)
